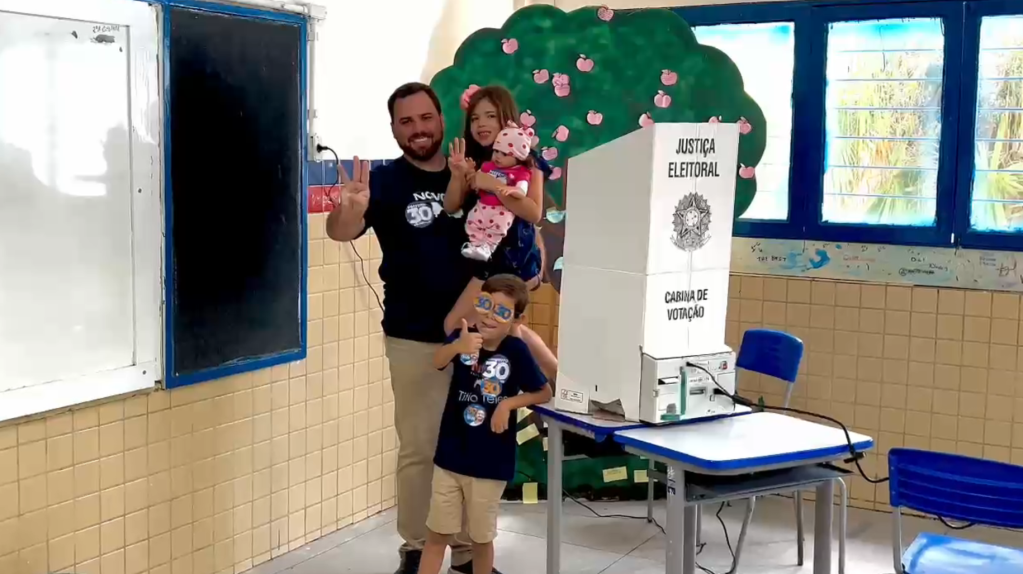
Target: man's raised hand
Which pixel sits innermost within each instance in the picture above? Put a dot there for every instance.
(354, 189)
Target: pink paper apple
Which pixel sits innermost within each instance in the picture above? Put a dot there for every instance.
(560, 134)
(556, 173)
(527, 119)
(662, 100)
(562, 91)
(605, 13)
(744, 126)
(594, 118)
(549, 153)
(714, 120)
(561, 79)
(509, 45)
(668, 78)
(746, 172)
(584, 64)
(541, 76)
(534, 141)
(645, 120)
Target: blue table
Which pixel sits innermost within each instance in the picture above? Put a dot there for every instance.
(726, 446)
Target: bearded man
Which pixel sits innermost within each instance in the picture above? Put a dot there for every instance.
(423, 273)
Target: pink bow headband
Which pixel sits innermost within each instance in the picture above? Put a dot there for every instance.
(467, 95)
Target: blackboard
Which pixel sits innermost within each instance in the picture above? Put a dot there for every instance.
(235, 192)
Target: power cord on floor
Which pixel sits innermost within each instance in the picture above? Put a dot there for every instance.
(337, 182)
(700, 547)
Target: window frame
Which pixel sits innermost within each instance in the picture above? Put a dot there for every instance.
(171, 380)
(813, 151)
(962, 20)
(146, 163)
(799, 14)
(967, 237)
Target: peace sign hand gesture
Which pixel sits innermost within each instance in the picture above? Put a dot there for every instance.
(354, 189)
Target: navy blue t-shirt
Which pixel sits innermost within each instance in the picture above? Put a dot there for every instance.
(423, 269)
(467, 445)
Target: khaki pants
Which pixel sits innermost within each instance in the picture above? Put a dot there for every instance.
(465, 504)
(420, 392)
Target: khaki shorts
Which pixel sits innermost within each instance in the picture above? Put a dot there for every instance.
(455, 496)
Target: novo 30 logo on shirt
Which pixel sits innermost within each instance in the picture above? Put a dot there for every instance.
(425, 207)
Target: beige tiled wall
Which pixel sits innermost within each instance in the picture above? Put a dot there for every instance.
(938, 369)
(218, 477)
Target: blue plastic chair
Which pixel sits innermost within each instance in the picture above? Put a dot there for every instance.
(778, 355)
(961, 488)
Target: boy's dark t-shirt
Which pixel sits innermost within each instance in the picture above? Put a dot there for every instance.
(467, 445)
(423, 269)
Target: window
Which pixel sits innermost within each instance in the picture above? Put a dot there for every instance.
(906, 121)
(80, 226)
(883, 121)
(997, 194)
(765, 56)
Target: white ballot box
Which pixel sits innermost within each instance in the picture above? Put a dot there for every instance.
(644, 289)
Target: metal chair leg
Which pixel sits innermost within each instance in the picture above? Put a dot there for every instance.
(750, 505)
(800, 538)
(650, 492)
(843, 513)
(699, 525)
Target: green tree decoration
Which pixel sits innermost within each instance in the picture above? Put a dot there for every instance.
(589, 76)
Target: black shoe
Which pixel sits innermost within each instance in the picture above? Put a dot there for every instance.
(467, 569)
(410, 562)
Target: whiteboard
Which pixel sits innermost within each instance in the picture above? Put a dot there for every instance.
(79, 181)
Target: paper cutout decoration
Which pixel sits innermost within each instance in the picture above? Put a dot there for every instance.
(529, 493)
(615, 474)
(527, 434)
(589, 76)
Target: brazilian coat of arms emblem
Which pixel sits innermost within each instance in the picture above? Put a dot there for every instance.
(691, 223)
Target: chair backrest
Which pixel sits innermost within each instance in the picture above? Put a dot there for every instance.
(956, 487)
(772, 353)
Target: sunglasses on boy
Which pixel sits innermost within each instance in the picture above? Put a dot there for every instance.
(485, 305)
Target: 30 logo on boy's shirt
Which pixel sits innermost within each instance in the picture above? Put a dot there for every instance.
(426, 207)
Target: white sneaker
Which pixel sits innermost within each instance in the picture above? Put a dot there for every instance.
(476, 252)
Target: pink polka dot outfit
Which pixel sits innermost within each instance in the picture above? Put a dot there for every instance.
(489, 221)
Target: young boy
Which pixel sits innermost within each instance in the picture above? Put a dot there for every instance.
(476, 449)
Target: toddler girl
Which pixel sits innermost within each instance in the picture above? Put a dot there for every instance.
(489, 221)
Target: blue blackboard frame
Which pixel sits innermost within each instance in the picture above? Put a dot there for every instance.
(240, 365)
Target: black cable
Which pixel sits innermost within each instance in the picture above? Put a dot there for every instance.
(700, 547)
(854, 455)
(337, 183)
(566, 494)
(954, 527)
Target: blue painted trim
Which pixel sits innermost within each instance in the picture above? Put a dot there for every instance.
(600, 433)
(232, 10)
(168, 209)
(750, 464)
(245, 366)
(251, 364)
(966, 160)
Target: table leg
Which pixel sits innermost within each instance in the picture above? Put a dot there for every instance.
(677, 517)
(825, 501)
(555, 459)
(689, 537)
